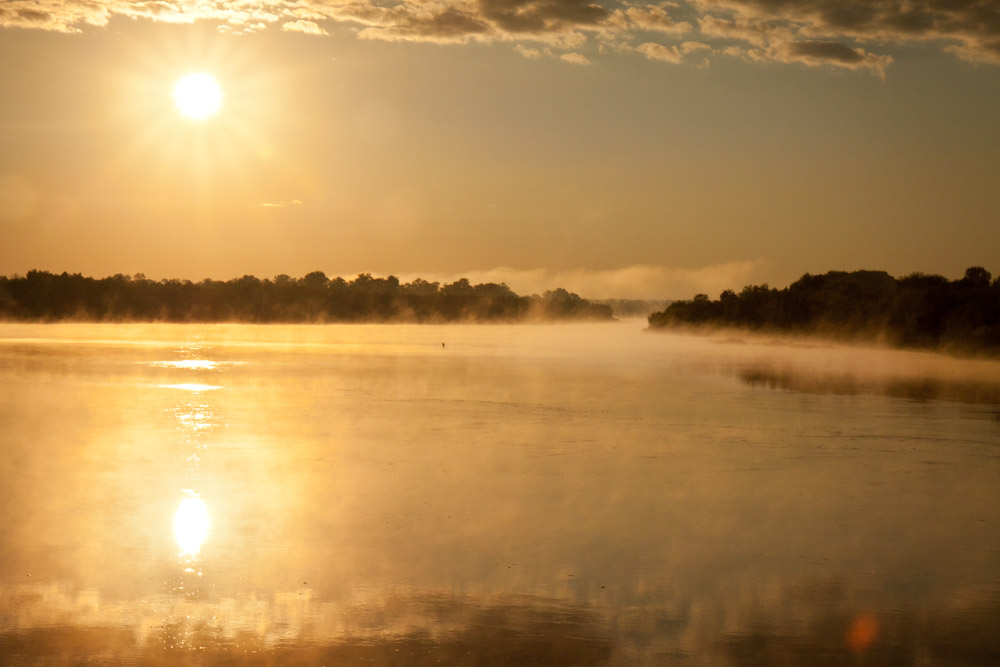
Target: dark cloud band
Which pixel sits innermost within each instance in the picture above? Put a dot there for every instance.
(832, 33)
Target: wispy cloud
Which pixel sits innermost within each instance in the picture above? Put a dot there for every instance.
(841, 34)
(820, 52)
(529, 52)
(653, 18)
(303, 26)
(671, 54)
(632, 282)
(575, 58)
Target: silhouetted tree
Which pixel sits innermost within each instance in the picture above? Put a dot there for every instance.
(43, 296)
(917, 310)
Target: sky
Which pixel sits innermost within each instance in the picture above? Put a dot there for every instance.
(617, 149)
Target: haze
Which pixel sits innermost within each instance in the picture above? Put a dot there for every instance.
(615, 149)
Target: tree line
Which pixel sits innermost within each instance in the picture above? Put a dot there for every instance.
(44, 296)
(917, 310)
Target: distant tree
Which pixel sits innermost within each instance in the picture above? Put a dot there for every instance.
(43, 296)
(315, 281)
(916, 310)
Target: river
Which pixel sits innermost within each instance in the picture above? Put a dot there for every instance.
(536, 494)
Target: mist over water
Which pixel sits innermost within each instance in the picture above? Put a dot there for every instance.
(471, 494)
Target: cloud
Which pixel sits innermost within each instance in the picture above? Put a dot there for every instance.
(307, 27)
(670, 54)
(653, 18)
(816, 52)
(631, 282)
(541, 16)
(968, 28)
(57, 16)
(575, 58)
(416, 23)
(757, 33)
(528, 52)
(844, 34)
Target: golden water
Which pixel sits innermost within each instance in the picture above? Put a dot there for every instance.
(523, 495)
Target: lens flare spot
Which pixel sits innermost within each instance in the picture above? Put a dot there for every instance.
(191, 525)
(862, 632)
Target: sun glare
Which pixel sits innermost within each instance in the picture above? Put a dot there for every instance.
(198, 96)
(191, 525)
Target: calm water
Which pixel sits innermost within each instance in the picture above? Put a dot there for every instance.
(524, 495)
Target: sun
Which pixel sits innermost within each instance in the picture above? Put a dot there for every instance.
(198, 95)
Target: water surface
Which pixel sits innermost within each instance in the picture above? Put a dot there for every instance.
(571, 494)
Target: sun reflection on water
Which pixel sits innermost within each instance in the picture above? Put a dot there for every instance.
(190, 386)
(187, 364)
(191, 525)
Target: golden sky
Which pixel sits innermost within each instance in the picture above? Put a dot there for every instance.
(613, 148)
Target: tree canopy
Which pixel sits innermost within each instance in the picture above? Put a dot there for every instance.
(43, 296)
(917, 310)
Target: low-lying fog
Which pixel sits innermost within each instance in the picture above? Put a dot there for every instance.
(494, 494)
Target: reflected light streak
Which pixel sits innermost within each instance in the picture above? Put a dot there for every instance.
(191, 387)
(191, 525)
(190, 364)
(198, 419)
